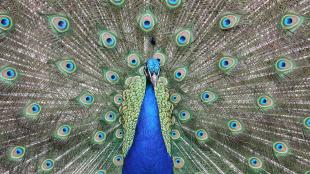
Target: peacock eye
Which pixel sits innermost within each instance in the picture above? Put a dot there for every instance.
(110, 117)
(175, 98)
(184, 116)
(227, 64)
(86, 99)
(229, 21)
(101, 172)
(280, 148)
(111, 76)
(201, 135)
(119, 133)
(133, 60)
(6, 23)
(63, 132)
(32, 110)
(175, 134)
(118, 99)
(107, 39)
(284, 66)
(265, 102)
(291, 22)
(118, 160)
(8, 74)
(161, 57)
(178, 162)
(118, 3)
(17, 153)
(66, 67)
(208, 97)
(47, 165)
(180, 74)
(99, 137)
(307, 122)
(59, 24)
(255, 163)
(173, 4)
(234, 125)
(183, 38)
(147, 22)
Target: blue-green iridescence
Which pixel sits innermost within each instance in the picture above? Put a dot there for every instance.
(229, 21)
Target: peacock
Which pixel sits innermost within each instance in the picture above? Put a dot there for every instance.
(155, 86)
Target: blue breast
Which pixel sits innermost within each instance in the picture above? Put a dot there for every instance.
(148, 153)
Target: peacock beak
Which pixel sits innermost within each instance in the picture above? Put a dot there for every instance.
(154, 79)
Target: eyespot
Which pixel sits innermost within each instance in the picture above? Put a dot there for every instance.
(47, 165)
(184, 116)
(284, 66)
(280, 148)
(119, 133)
(291, 22)
(178, 162)
(63, 132)
(208, 97)
(8, 74)
(59, 24)
(110, 117)
(32, 110)
(66, 67)
(17, 153)
(255, 163)
(229, 21)
(307, 123)
(265, 102)
(175, 134)
(111, 76)
(180, 74)
(117, 3)
(107, 39)
(307, 172)
(118, 99)
(161, 57)
(227, 64)
(118, 160)
(234, 126)
(6, 23)
(201, 135)
(101, 172)
(175, 98)
(147, 22)
(133, 60)
(99, 137)
(173, 4)
(183, 38)
(86, 99)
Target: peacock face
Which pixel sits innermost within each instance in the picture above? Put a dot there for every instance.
(152, 69)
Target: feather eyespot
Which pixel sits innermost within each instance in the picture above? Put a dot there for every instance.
(110, 117)
(66, 67)
(86, 99)
(101, 172)
(133, 60)
(17, 153)
(201, 135)
(255, 163)
(227, 64)
(180, 74)
(280, 148)
(173, 4)
(107, 39)
(59, 24)
(111, 76)
(147, 22)
(118, 3)
(118, 160)
(284, 66)
(175, 98)
(208, 97)
(8, 75)
(119, 133)
(32, 110)
(265, 102)
(229, 21)
(183, 38)
(47, 165)
(307, 123)
(99, 137)
(63, 132)
(184, 116)
(234, 126)
(178, 162)
(291, 22)
(6, 23)
(175, 134)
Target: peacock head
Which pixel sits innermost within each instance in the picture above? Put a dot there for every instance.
(152, 69)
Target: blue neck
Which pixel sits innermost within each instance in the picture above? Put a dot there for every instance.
(148, 153)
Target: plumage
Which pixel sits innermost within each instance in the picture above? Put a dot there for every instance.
(164, 86)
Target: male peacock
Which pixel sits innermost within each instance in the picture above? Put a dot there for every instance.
(162, 86)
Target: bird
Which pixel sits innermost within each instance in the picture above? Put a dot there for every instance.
(162, 86)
